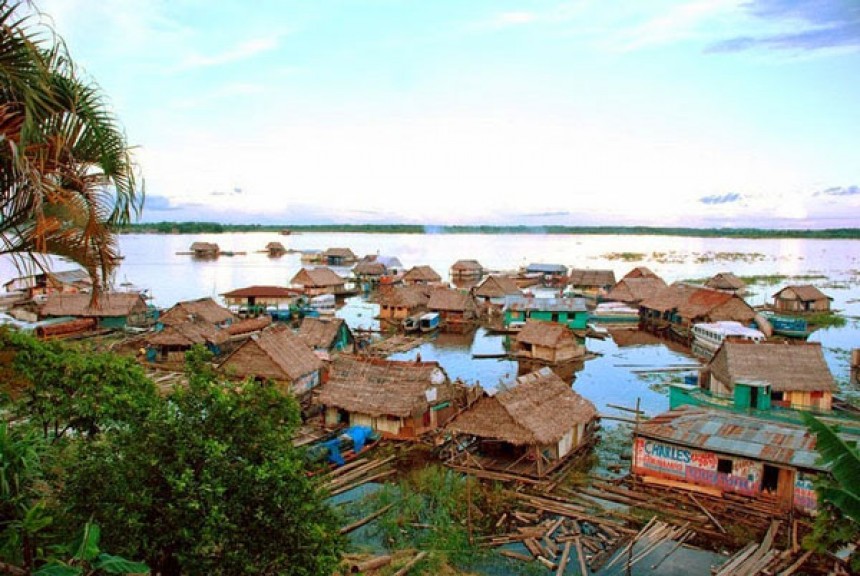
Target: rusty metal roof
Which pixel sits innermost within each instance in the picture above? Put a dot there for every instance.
(738, 435)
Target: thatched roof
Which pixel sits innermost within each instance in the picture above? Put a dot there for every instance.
(275, 247)
(320, 332)
(317, 277)
(344, 253)
(796, 367)
(383, 387)
(421, 274)
(544, 333)
(802, 292)
(369, 269)
(261, 292)
(640, 272)
(495, 286)
(591, 278)
(109, 305)
(405, 297)
(289, 353)
(634, 290)
(693, 302)
(188, 334)
(467, 266)
(725, 281)
(207, 247)
(450, 300)
(540, 409)
(248, 325)
(205, 309)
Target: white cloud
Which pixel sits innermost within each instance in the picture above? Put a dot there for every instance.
(680, 22)
(242, 51)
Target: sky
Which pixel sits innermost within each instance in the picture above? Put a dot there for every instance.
(589, 112)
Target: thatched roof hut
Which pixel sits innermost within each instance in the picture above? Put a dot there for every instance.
(467, 269)
(201, 309)
(726, 282)
(113, 309)
(275, 249)
(205, 249)
(640, 272)
(187, 334)
(369, 269)
(594, 279)
(634, 290)
(547, 341)
(317, 279)
(497, 286)
(801, 298)
(539, 409)
(421, 275)
(325, 333)
(785, 368)
(697, 304)
(451, 300)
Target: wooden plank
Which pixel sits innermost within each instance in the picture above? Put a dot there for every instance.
(565, 556)
(583, 568)
(366, 520)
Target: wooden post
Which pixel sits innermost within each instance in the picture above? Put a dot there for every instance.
(469, 508)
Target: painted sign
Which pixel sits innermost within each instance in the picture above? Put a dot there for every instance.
(805, 497)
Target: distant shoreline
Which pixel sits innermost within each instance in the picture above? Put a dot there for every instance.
(216, 228)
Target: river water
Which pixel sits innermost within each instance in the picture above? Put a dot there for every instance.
(617, 375)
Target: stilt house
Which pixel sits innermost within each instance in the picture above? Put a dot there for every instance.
(801, 298)
(548, 342)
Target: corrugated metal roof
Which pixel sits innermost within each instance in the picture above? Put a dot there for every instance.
(547, 304)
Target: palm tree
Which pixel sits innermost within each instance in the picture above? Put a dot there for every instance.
(67, 180)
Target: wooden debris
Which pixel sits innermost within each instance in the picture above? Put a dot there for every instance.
(370, 564)
(409, 565)
(366, 520)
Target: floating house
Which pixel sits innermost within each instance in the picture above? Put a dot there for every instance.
(770, 374)
(801, 298)
(114, 310)
(530, 429)
(327, 334)
(278, 356)
(721, 451)
(550, 274)
(454, 307)
(275, 249)
(467, 270)
(205, 250)
(495, 289)
(398, 399)
(727, 282)
(172, 342)
(632, 291)
(571, 312)
(547, 342)
(591, 283)
(400, 302)
(424, 275)
(204, 310)
(338, 257)
(66, 282)
(680, 306)
(315, 281)
(369, 272)
(255, 300)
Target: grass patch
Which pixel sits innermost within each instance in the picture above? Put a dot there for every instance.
(625, 256)
(826, 320)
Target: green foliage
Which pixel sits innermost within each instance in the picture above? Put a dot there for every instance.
(84, 556)
(208, 483)
(826, 320)
(73, 391)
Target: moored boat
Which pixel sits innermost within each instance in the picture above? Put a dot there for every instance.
(709, 336)
(429, 322)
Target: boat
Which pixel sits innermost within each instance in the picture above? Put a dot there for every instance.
(788, 326)
(411, 323)
(429, 322)
(324, 304)
(709, 336)
(614, 313)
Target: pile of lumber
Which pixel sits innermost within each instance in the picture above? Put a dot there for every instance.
(764, 558)
(355, 474)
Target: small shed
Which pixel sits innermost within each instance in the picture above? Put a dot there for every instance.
(279, 356)
(275, 249)
(171, 343)
(421, 275)
(467, 270)
(327, 334)
(205, 250)
(399, 302)
(801, 298)
(112, 310)
(259, 298)
(548, 342)
(399, 399)
(571, 312)
(204, 310)
(727, 282)
(529, 429)
(317, 281)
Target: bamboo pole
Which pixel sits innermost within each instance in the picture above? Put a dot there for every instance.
(367, 519)
(565, 556)
(409, 565)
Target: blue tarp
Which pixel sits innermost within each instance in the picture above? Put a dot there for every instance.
(359, 435)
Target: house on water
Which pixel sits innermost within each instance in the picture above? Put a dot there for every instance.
(466, 270)
(114, 310)
(339, 257)
(315, 281)
(327, 335)
(801, 298)
(530, 429)
(722, 451)
(456, 308)
(170, 344)
(423, 275)
(762, 377)
(276, 355)
(44, 283)
(275, 249)
(632, 291)
(680, 306)
(549, 274)
(727, 282)
(205, 250)
(256, 300)
(640, 272)
(399, 302)
(547, 342)
(592, 284)
(495, 289)
(398, 399)
(204, 310)
(571, 312)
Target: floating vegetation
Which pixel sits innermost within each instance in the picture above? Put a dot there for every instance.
(625, 256)
(728, 257)
(773, 279)
(668, 257)
(826, 320)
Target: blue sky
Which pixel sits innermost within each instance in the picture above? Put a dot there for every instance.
(702, 112)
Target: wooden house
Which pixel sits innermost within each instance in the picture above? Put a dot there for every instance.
(42, 284)
(467, 270)
(278, 356)
(680, 306)
(633, 290)
(421, 275)
(455, 308)
(315, 281)
(339, 257)
(248, 326)
(720, 451)
(640, 272)
(275, 249)
(254, 300)
(172, 342)
(495, 289)
(571, 312)
(801, 298)
(770, 374)
(114, 310)
(399, 302)
(205, 250)
(204, 310)
(398, 399)
(369, 272)
(549, 274)
(327, 334)
(547, 342)
(529, 429)
(727, 282)
(591, 283)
